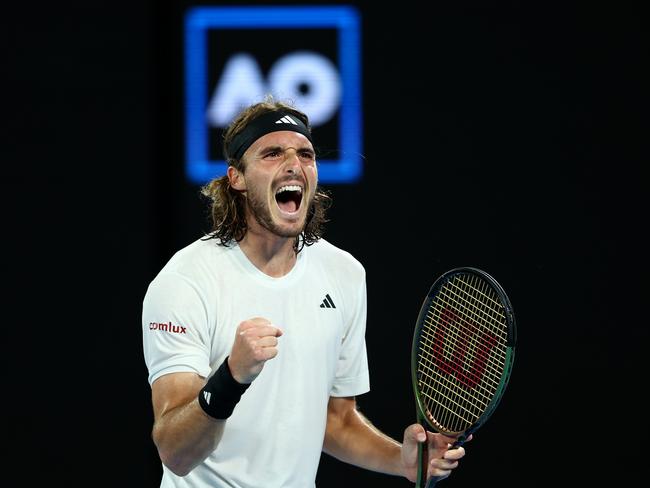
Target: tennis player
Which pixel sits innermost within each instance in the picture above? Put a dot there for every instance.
(254, 334)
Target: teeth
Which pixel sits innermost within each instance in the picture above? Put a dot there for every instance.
(289, 188)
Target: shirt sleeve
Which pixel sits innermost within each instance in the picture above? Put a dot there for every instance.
(352, 377)
(175, 327)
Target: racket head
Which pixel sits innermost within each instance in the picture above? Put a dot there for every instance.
(463, 351)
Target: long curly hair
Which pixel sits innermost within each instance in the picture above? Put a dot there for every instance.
(227, 207)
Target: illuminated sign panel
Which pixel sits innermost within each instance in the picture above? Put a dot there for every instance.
(234, 56)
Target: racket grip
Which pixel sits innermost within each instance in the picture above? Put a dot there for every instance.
(432, 482)
(423, 461)
(424, 468)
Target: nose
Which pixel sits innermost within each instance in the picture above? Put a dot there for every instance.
(292, 161)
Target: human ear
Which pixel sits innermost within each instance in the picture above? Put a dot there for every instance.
(236, 179)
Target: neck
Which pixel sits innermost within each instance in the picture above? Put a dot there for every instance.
(271, 254)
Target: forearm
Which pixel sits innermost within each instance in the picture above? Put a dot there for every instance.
(185, 436)
(353, 439)
(183, 432)
(190, 413)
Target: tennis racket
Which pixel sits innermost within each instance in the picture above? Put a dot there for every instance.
(462, 355)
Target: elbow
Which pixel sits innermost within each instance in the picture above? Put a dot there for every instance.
(178, 469)
(183, 449)
(172, 458)
(175, 463)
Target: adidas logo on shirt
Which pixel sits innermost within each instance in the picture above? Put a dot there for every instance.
(286, 120)
(327, 302)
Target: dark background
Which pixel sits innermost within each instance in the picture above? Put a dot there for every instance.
(521, 141)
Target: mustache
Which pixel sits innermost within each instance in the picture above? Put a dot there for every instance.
(292, 179)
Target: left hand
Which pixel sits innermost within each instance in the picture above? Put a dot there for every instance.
(442, 459)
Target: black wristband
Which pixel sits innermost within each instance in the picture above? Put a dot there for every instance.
(221, 393)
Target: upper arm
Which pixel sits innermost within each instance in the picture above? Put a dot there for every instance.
(339, 407)
(174, 390)
(175, 328)
(340, 412)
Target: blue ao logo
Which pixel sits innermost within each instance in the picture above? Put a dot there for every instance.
(235, 56)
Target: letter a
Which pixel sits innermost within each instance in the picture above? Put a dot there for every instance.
(241, 84)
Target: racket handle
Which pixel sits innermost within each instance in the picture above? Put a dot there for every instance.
(423, 461)
(423, 453)
(432, 482)
(424, 467)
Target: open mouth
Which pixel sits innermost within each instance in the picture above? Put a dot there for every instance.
(288, 198)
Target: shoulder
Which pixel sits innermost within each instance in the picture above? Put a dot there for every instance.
(336, 259)
(196, 260)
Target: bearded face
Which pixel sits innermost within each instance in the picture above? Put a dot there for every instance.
(279, 182)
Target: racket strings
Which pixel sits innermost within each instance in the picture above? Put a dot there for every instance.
(475, 342)
(467, 412)
(473, 311)
(434, 385)
(466, 304)
(463, 310)
(489, 375)
(476, 322)
(463, 331)
(481, 389)
(465, 325)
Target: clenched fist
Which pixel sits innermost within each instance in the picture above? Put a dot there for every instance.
(256, 341)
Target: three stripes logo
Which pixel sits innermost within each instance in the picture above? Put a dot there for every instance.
(286, 120)
(207, 395)
(327, 302)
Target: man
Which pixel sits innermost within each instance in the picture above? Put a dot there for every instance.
(254, 334)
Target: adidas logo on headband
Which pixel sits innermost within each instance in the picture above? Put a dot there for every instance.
(286, 120)
(263, 125)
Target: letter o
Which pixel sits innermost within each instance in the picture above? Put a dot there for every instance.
(315, 72)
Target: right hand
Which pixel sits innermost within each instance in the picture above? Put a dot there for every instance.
(256, 341)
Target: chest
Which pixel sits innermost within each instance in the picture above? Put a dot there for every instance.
(311, 315)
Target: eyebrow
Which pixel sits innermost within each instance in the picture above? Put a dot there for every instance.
(276, 147)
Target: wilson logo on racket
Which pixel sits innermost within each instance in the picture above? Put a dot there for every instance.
(465, 334)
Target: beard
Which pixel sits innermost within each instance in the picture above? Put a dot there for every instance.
(262, 214)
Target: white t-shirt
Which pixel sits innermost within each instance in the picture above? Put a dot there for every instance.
(275, 435)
